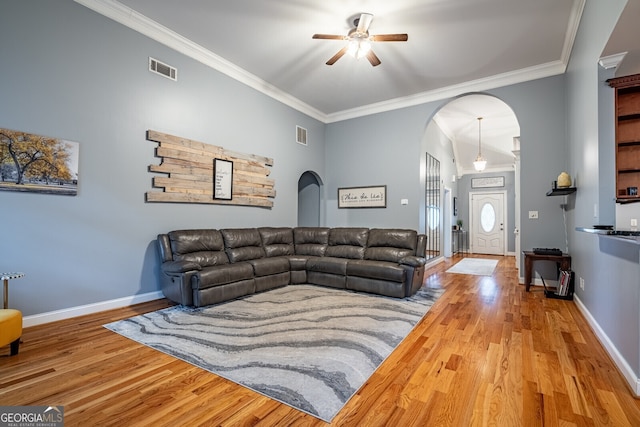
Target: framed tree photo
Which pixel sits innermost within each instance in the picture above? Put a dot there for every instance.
(38, 164)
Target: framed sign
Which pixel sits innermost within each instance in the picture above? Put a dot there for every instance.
(496, 181)
(222, 179)
(363, 197)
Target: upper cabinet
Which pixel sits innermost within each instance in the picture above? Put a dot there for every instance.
(627, 116)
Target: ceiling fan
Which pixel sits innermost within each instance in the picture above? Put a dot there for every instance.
(359, 40)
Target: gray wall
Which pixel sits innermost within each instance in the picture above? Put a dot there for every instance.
(398, 137)
(437, 144)
(70, 73)
(609, 267)
(380, 149)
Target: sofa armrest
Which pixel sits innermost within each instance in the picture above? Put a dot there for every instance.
(164, 247)
(414, 261)
(179, 266)
(421, 249)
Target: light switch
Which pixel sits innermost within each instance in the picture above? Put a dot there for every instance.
(533, 214)
(404, 201)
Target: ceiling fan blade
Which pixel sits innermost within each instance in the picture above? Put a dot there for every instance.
(373, 58)
(389, 38)
(363, 22)
(329, 37)
(337, 56)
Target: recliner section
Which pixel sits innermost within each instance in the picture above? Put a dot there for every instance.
(208, 266)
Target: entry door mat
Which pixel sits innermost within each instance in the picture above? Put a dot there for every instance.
(476, 266)
(307, 346)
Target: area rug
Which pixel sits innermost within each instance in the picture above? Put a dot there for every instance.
(477, 266)
(307, 346)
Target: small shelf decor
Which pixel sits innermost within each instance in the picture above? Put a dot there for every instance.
(564, 289)
(561, 191)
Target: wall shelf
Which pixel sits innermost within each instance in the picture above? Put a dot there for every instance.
(561, 191)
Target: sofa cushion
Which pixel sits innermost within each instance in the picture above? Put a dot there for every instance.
(203, 247)
(376, 270)
(298, 262)
(375, 286)
(391, 244)
(277, 241)
(267, 266)
(328, 265)
(310, 240)
(222, 274)
(242, 244)
(347, 242)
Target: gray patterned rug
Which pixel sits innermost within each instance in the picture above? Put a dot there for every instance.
(307, 346)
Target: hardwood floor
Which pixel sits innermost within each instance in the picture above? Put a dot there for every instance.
(487, 353)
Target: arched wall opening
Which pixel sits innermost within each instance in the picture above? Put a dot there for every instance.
(454, 137)
(309, 200)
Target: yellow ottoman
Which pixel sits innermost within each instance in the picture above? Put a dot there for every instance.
(10, 328)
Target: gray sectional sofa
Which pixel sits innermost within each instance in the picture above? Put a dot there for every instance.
(208, 266)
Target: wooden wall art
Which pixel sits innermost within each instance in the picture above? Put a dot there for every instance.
(192, 178)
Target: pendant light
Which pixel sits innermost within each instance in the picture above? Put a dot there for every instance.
(480, 162)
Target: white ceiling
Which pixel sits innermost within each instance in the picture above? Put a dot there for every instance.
(454, 47)
(458, 119)
(625, 40)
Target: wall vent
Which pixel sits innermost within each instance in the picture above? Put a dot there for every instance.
(163, 69)
(301, 135)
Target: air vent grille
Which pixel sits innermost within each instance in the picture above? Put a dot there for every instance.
(163, 69)
(301, 135)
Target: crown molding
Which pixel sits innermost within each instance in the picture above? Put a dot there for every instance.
(572, 29)
(500, 80)
(612, 61)
(494, 169)
(140, 23)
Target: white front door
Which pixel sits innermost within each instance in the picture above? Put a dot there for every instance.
(487, 223)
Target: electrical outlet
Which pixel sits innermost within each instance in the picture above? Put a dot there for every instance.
(533, 214)
(634, 224)
(582, 283)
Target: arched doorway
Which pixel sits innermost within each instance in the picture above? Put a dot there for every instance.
(453, 136)
(309, 206)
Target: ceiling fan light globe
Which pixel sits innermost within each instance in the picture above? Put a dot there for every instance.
(358, 48)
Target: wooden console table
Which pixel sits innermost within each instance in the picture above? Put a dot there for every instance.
(563, 261)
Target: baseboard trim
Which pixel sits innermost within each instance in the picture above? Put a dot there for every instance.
(618, 359)
(536, 281)
(68, 313)
(433, 262)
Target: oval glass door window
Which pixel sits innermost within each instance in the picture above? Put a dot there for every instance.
(487, 217)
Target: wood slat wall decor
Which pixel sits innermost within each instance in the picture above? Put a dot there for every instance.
(188, 165)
